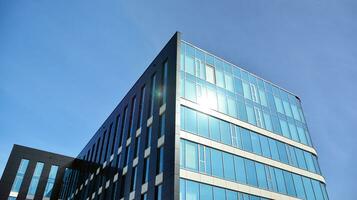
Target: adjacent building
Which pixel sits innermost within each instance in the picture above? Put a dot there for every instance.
(195, 127)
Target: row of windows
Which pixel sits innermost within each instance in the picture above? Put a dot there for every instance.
(218, 130)
(202, 159)
(191, 190)
(247, 99)
(34, 180)
(235, 80)
(125, 123)
(205, 95)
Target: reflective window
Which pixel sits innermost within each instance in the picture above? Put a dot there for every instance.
(280, 180)
(225, 133)
(251, 172)
(206, 192)
(219, 193)
(240, 169)
(51, 181)
(214, 129)
(217, 165)
(308, 189)
(202, 125)
(210, 75)
(228, 166)
(35, 180)
(192, 190)
(246, 140)
(262, 181)
(191, 156)
(300, 192)
(20, 175)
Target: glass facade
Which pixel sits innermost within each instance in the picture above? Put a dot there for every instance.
(214, 83)
(245, 171)
(221, 131)
(191, 190)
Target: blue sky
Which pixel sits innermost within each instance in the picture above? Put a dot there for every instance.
(65, 65)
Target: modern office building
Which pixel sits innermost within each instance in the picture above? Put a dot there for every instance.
(196, 127)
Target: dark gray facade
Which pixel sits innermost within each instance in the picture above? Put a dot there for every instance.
(33, 155)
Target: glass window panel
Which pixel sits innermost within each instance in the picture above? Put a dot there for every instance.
(219, 78)
(231, 195)
(267, 122)
(229, 82)
(317, 167)
(317, 189)
(182, 85)
(191, 156)
(242, 113)
(20, 175)
(285, 128)
(300, 192)
(211, 98)
(300, 158)
(258, 117)
(280, 181)
(206, 192)
(202, 124)
(309, 162)
(324, 191)
(190, 121)
(302, 135)
(214, 129)
(263, 99)
(279, 105)
(192, 190)
(250, 114)
(190, 65)
(289, 184)
(276, 124)
(246, 91)
(308, 189)
(256, 143)
(35, 179)
(216, 157)
(232, 110)
(287, 109)
(246, 140)
(238, 86)
(295, 112)
(292, 156)
(251, 173)
(200, 69)
(273, 149)
(210, 74)
(50, 181)
(254, 93)
(262, 181)
(190, 90)
(219, 193)
(182, 189)
(271, 178)
(293, 132)
(228, 167)
(237, 137)
(240, 170)
(222, 103)
(225, 133)
(282, 152)
(265, 146)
